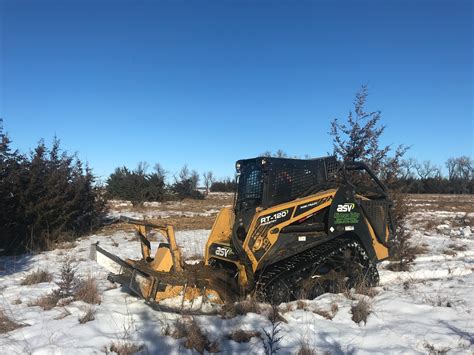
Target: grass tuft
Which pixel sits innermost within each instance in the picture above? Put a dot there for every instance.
(125, 348)
(360, 312)
(88, 316)
(243, 336)
(7, 324)
(87, 291)
(36, 277)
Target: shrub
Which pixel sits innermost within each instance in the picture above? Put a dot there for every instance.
(137, 186)
(226, 185)
(68, 281)
(402, 253)
(67, 285)
(272, 338)
(43, 196)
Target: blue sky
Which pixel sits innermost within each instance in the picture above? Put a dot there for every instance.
(209, 82)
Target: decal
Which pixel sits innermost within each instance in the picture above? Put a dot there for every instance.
(273, 217)
(223, 251)
(259, 243)
(310, 205)
(345, 214)
(347, 207)
(346, 217)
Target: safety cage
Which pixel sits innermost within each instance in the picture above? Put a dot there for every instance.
(267, 181)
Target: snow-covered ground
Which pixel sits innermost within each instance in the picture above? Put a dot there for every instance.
(428, 309)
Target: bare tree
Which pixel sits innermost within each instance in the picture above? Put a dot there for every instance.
(451, 164)
(209, 179)
(280, 154)
(460, 173)
(427, 170)
(464, 167)
(194, 179)
(408, 168)
(184, 173)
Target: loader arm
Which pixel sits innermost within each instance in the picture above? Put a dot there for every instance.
(167, 231)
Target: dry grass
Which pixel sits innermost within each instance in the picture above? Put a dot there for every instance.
(305, 349)
(124, 348)
(47, 301)
(432, 350)
(243, 336)
(179, 222)
(248, 305)
(286, 308)
(363, 289)
(323, 313)
(360, 311)
(419, 249)
(328, 314)
(458, 247)
(433, 202)
(429, 225)
(88, 315)
(37, 277)
(195, 338)
(7, 324)
(87, 291)
(65, 245)
(449, 252)
(301, 304)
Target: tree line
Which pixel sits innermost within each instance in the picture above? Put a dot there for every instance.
(46, 196)
(139, 185)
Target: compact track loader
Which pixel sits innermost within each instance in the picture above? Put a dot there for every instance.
(298, 228)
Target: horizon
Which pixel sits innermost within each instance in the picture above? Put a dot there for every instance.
(209, 83)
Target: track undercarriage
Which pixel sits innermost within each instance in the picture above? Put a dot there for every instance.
(331, 267)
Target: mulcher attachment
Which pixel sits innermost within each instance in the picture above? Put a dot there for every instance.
(163, 280)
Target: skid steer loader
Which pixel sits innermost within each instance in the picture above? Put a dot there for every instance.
(298, 228)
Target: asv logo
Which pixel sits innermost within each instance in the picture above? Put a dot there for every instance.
(347, 207)
(223, 251)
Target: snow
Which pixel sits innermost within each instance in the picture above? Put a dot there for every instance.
(428, 307)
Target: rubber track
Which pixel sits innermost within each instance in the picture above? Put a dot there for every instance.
(292, 270)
